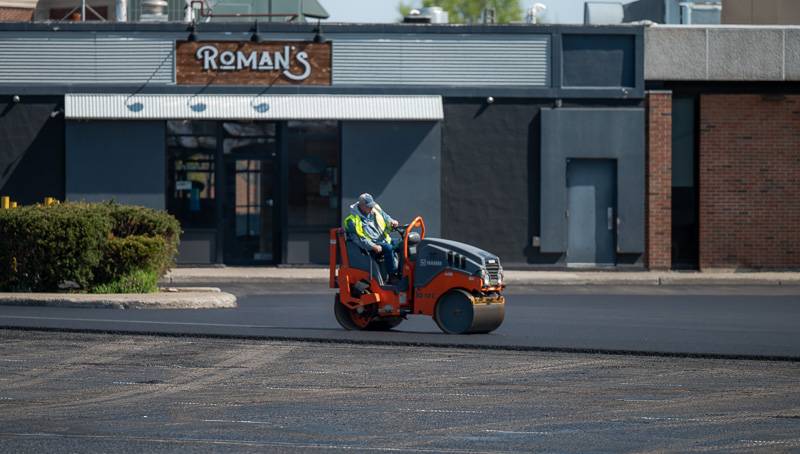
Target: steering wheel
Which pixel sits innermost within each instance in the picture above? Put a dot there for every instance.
(407, 229)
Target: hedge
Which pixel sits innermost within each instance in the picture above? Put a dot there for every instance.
(84, 245)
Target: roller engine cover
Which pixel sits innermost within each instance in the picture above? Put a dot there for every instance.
(435, 255)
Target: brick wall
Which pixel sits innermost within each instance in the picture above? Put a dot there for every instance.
(15, 14)
(749, 181)
(659, 180)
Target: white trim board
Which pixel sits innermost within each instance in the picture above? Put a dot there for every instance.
(253, 107)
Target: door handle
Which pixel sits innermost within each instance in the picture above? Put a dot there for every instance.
(610, 218)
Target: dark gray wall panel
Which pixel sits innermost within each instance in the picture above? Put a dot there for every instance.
(123, 161)
(399, 164)
(599, 60)
(593, 133)
(491, 176)
(31, 149)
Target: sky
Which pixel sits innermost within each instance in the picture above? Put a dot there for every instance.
(558, 11)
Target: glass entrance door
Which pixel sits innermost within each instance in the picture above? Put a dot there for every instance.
(250, 232)
(251, 179)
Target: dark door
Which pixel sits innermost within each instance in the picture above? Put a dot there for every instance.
(251, 182)
(591, 212)
(249, 214)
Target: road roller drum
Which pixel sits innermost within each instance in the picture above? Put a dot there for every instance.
(459, 312)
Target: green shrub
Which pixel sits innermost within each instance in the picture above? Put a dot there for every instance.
(104, 245)
(136, 221)
(137, 281)
(42, 247)
(122, 256)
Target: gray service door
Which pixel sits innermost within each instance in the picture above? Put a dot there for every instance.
(591, 211)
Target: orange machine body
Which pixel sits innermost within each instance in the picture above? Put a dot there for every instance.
(390, 301)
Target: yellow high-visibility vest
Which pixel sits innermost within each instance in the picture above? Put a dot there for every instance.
(376, 210)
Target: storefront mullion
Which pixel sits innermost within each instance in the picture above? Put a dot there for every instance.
(220, 205)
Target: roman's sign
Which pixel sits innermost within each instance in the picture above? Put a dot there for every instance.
(247, 63)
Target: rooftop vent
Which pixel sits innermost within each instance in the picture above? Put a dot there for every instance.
(535, 13)
(428, 15)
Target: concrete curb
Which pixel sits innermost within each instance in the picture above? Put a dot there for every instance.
(183, 298)
(514, 278)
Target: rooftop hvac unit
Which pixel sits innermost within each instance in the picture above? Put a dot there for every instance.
(153, 11)
(700, 13)
(603, 13)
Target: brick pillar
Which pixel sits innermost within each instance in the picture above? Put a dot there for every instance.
(659, 180)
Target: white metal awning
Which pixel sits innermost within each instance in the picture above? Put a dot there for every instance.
(252, 107)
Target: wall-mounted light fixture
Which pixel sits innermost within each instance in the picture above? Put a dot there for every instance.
(318, 36)
(490, 100)
(192, 36)
(15, 98)
(135, 107)
(255, 38)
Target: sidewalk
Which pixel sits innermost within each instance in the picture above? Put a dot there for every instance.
(174, 298)
(319, 276)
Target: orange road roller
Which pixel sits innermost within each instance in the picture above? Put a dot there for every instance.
(459, 285)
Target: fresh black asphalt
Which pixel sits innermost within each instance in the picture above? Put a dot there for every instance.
(754, 322)
(110, 393)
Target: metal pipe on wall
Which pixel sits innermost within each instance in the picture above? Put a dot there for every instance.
(121, 12)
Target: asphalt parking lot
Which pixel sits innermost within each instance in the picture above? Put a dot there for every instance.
(736, 321)
(62, 392)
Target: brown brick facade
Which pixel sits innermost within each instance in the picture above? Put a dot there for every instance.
(15, 14)
(659, 180)
(749, 181)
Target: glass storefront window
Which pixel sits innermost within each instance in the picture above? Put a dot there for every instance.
(243, 137)
(313, 190)
(248, 197)
(313, 174)
(191, 191)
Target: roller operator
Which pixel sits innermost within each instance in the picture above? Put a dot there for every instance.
(369, 226)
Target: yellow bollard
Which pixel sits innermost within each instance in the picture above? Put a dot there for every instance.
(13, 204)
(5, 202)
